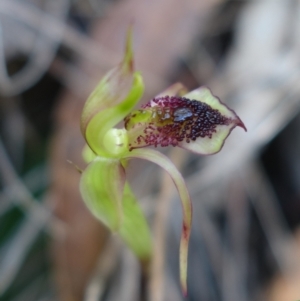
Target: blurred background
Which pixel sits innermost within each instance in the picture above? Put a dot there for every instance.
(245, 242)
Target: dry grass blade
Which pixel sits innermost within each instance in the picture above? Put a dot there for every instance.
(38, 216)
(15, 191)
(270, 215)
(237, 237)
(43, 50)
(16, 250)
(106, 265)
(126, 287)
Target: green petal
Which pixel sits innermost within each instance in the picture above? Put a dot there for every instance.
(113, 99)
(134, 229)
(101, 187)
(167, 165)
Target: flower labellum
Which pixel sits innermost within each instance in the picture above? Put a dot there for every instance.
(200, 125)
(197, 121)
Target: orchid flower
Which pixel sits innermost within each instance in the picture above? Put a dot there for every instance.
(196, 121)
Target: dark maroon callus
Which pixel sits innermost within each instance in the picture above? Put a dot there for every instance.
(176, 119)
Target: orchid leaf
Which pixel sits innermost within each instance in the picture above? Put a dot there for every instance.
(164, 162)
(101, 186)
(134, 229)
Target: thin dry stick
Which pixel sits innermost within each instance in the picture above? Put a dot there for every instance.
(17, 249)
(156, 284)
(125, 287)
(16, 191)
(271, 218)
(53, 28)
(43, 49)
(38, 216)
(106, 265)
(58, 31)
(237, 212)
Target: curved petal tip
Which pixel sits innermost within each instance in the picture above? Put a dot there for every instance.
(241, 124)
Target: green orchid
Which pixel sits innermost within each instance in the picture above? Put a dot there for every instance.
(196, 121)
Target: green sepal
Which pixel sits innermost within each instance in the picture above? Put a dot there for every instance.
(101, 186)
(112, 88)
(114, 97)
(134, 229)
(102, 122)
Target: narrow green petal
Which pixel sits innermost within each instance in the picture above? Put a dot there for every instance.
(134, 229)
(101, 186)
(166, 164)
